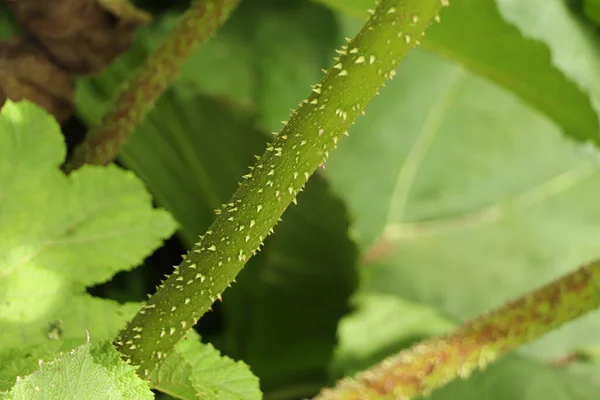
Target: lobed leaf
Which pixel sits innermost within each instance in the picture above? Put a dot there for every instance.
(198, 371)
(573, 44)
(60, 234)
(86, 372)
(475, 35)
(591, 9)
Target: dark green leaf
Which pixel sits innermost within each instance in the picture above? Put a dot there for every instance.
(87, 372)
(59, 234)
(285, 309)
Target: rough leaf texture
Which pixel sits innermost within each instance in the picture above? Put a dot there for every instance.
(198, 371)
(86, 372)
(60, 234)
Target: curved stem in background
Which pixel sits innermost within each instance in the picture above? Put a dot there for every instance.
(433, 363)
(138, 95)
(273, 182)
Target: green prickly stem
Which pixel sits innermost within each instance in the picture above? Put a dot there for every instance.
(433, 363)
(137, 96)
(274, 181)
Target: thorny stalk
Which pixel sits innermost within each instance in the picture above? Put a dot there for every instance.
(431, 364)
(138, 95)
(278, 176)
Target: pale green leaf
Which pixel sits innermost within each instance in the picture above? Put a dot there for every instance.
(464, 197)
(86, 372)
(59, 234)
(572, 43)
(518, 378)
(385, 324)
(473, 34)
(198, 371)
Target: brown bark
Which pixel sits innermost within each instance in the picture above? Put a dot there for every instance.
(65, 38)
(27, 72)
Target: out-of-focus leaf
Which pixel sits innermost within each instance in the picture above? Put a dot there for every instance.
(198, 371)
(28, 72)
(573, 45)
(380, 326)
(591, 9)
(474, 34)
(385, 324)
(86, 372)
(464, 197)
(62, 334)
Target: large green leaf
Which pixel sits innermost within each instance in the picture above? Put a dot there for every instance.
(573, 44)
(86, 372)
(59, 234)
(193, 149)
(518, 378)
(464, 197)
(195, 370)
(473, 34)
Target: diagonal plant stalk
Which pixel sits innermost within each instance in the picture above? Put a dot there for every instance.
(273, 182)
(433, 363)
(137, 96)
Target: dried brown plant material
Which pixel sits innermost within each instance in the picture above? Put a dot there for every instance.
(27, 72)
(82, 36)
